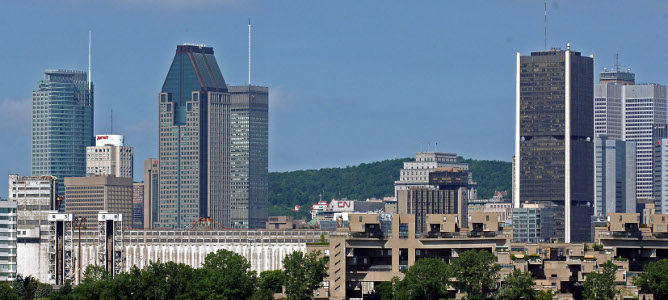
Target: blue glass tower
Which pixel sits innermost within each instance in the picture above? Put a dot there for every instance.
(194, 149)
(62, 125)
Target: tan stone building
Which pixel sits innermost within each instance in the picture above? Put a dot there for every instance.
(86, 196)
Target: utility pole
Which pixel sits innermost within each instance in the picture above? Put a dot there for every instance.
(79, 222)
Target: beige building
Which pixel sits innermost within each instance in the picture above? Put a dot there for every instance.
(86, 196)
(109, 157)
(151, 180)
(369, 251)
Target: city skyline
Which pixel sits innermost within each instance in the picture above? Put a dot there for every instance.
(308, 102)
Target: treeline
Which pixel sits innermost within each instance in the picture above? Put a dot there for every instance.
(367, 180)
(224, 275)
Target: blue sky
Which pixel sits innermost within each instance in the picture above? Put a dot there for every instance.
(350, 81)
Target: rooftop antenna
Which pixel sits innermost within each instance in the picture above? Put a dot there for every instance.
(545, 24)
(90, 76)
(249, 52)
(111, 121)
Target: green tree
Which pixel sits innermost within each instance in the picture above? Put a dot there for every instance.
(7, 291)
(227, 275)
(654, 279)
(518, 285)
(600, 285)
(544, 295)
(272, 280)
(93, 283)
(476, 272)
(30, 288)
(384, 290)
(64, 292)
(428, 278)
(304, 273)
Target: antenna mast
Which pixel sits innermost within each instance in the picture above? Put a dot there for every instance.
(90, 76)
(111, 121)
(249, 52)
(545, 24)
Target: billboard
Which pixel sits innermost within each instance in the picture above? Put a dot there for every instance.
(109, 139)
(342, 205)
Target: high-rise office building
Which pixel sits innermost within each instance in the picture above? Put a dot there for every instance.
(249, 147)
(615, 172)
(533, 223)
(151, 198)
(415, 174)
(194, 136)
(447, 193)
(87, 196)
(628, 111)
(109, 157)
(554, 132)
(62, 124)
(138, 205)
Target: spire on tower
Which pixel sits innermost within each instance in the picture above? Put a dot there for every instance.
(249, 52)
(90, 75)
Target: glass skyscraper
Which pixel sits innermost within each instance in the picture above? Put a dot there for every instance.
(249, 144)
(62, 125)
(194, 146)
(554, 138)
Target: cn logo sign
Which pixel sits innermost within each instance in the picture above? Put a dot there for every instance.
(343, 204)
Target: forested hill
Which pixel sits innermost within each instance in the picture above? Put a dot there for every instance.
(367, 180)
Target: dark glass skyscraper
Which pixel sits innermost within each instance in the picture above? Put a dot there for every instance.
(554, 138)
(249, 155)
(62, 125)
(194, 149)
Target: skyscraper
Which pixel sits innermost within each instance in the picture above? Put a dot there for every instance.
(62, 124)
(628, 111)
(615, 173)
(194, 149)
(249, 147)
(554, 130)
(110, 157)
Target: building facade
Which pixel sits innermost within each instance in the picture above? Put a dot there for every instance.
(554, 132)
(447, 194)
(661, 176)
(628, 111)
(533, 224)
(194, 140)
(35, 197)
(415, 174)
(86, 196)
(7, 240)
(249, 161)
(110, 157)
(615, 171)
(138, 205)
(151, 193)
(62, 124)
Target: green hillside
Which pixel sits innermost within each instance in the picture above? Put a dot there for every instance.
(367, 180)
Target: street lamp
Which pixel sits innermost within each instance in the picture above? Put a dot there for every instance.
(78, 223)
